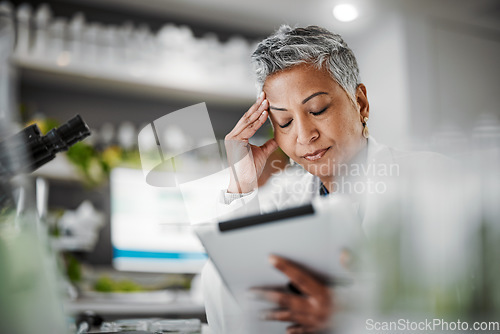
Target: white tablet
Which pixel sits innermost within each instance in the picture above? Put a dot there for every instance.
(313, 236)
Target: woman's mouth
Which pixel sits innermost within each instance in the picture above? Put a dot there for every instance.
(316, 155)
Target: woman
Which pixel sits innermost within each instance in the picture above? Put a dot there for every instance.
(319, 110)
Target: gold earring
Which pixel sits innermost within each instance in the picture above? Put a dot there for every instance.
(366, 133)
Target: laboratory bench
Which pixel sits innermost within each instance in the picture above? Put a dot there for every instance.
(164, 305)
(180, 305)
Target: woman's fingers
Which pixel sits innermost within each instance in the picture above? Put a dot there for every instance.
(299, 329)
(310, 311)
(241, 122)
(300, 278)
(303, 319)
(257, 103)
(246, 168)
(248, 125)
(250, 122)
(284, 299)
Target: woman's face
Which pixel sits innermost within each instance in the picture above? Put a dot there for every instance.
(315, 122)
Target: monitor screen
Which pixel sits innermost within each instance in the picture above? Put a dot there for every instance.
(150, 229)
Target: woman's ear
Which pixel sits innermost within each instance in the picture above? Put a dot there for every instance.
(362, 101)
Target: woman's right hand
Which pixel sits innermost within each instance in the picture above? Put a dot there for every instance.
(246, 168)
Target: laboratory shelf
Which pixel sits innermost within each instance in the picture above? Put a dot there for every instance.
(59, 169)
(180, 304)
(132, 82)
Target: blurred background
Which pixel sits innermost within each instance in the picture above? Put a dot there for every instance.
(430, 67)
(426, 64)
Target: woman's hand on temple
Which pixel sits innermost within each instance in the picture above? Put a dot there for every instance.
(246, 168)
(311, 310)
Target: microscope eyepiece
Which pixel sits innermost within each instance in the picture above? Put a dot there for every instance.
(30, 150)
(66, 135)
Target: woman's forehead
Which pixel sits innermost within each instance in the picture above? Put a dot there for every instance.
(299, 83)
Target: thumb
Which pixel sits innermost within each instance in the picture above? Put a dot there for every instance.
(269, 147)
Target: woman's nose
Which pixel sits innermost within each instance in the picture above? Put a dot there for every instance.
(306, 132)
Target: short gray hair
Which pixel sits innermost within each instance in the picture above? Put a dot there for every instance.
(289, 47)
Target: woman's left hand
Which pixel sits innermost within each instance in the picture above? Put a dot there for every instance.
(311, 310)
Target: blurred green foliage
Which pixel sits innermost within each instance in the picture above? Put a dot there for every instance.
(73, 268)
(107, 284)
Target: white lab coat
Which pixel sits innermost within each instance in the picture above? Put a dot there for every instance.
(299, 187)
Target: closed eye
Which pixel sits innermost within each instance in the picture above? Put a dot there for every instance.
(319, 112)
(312, 113)
(285, 125)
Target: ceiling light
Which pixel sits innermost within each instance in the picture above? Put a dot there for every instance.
(345, 12)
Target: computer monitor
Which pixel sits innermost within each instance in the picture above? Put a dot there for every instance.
(150, 229)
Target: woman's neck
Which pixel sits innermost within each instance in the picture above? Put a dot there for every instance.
(329, 181)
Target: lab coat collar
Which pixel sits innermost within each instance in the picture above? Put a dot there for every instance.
(378, 152)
